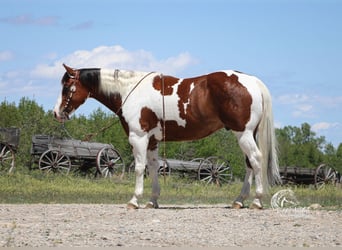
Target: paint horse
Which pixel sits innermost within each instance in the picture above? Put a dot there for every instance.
(153, 107)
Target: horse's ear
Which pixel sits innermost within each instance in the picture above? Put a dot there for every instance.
(71, 72)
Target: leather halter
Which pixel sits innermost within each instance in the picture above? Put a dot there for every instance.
(72, 90)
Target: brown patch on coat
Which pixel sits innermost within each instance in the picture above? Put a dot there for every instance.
(167, 81)
(188, 99)
(215, 96)
(232, 99)
(152, 143)
(148, 119)
(192, 130)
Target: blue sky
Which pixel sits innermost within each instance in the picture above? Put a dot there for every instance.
(294, 46)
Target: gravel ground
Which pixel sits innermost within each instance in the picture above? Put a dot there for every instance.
(65, 225)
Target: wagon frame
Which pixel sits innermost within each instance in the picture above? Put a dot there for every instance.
(9, 142)
(53, 154)
(319, 176)
(212, 169)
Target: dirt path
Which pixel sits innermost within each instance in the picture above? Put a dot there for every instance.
(113, 225)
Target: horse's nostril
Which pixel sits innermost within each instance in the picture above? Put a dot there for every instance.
(55, 114)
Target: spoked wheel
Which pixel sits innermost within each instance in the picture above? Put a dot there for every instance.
(109, 163)
(215, 170)
(131, 169)
(164, 168)
(7, 159)
(324, 175)
(54, 161)
(197, 161)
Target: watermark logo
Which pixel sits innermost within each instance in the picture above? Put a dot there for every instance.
(286, 204)
(284, 199)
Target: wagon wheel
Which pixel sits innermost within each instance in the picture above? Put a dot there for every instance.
(324, 175)
(164, 169)
(109, 163)
(131, 168)
(54, 161)
(197, 161)
(7, 159)
(215, 170)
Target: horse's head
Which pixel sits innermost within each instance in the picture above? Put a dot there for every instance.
(72, 96)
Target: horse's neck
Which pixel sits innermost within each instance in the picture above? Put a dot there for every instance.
(115, 86)
(119, 81)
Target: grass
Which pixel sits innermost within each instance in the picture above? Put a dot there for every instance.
(329, 196)
(36, 187)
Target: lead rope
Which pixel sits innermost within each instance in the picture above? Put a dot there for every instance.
(65, 130)
(164, 129)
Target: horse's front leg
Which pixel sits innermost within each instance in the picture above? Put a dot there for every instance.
(153, 167)
(139, 144)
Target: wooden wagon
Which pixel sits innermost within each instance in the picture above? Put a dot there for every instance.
(318, 177)
(209, 170)
(9, 141)
(61, 155)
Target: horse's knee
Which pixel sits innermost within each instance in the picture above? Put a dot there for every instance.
(139, 169)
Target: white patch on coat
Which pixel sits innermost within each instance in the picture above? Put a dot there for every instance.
(185, 105)
(57, 108)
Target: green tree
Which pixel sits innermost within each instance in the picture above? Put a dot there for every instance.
(333, 157)
(9, 115)
(338, 165)
(300, 146)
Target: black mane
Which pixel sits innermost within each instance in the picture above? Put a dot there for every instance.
(90, 77)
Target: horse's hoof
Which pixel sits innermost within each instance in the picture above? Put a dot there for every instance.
(131, 206)
(256, 204)
(237, 205)
(152, 205)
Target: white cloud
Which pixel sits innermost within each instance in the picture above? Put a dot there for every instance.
(115, 57)
(308, 106)
(324, 126)
(299, 99)
(48, 71)
(302, 110)
(292, 98)
(51, 56)
(5, 55)
(174, 63)
(278, 124)
(329, 101)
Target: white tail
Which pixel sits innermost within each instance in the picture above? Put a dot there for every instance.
(267, 142)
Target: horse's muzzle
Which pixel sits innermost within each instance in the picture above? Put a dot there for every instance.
(61, 117)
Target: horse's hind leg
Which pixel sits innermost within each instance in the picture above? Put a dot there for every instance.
(246, 188)
(249, 147)
(153, 167)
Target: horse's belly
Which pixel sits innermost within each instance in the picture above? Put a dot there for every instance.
(192, 131)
